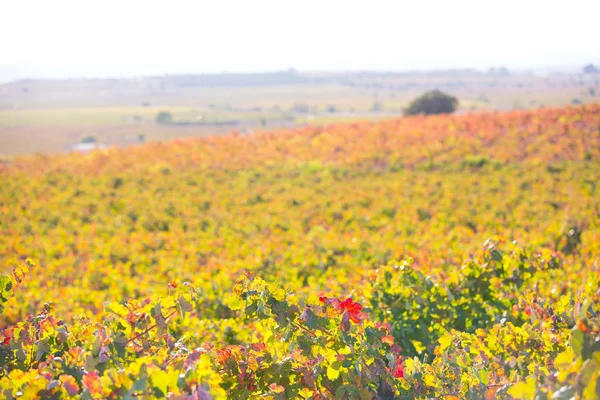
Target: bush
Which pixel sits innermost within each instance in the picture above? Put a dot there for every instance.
(164, 118)
(476, 161)
(300, 108)
(88, 139)
(433, 102)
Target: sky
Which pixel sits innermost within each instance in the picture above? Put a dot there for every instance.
(81, 38)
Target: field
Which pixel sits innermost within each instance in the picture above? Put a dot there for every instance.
(452, 257)
(51, 115)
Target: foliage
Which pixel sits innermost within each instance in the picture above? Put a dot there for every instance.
(88, 139)
(164, 118)
(444, 257)
(300, 108)
(433, 102)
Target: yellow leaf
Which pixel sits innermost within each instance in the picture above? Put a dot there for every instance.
(564, 359)
(234, 302)
(168, 302)
(278, 294)
(523, 390)
(117, 308)
(409, 366)
(419, 347)
(445, 342)
(162, 380)
(332, 374)
(591, 390)
(430, 381)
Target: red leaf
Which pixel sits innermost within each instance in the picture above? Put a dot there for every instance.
(399, 368)
(91, 380)
(258, 347)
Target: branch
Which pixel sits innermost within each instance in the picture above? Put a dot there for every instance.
(148, 329)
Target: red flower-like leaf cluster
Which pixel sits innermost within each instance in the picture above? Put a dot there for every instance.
(399, 368)
(8, 334)
(352, 308)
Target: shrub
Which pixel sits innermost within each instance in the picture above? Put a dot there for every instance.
(300, 108)
(164, 118)
(88, 139)
(433, 102)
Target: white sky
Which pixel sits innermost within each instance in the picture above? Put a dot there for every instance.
(61, 38)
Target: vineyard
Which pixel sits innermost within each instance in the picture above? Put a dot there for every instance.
(452, 257)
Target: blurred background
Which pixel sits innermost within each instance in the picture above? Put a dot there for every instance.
(80, 75)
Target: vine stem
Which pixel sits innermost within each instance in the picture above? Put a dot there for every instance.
(149, 328)
(312, 334)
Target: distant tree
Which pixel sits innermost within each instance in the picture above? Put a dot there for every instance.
(141, 138)
(591, 69)
(433, 102)
(88, 139)
(331, 108)
(300, 108)
(502, 71)
(164, 118)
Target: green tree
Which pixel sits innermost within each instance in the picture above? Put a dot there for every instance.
(300, 108)
(88, 139)
(164, 118)
(433, 102)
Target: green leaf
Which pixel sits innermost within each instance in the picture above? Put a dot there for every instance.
(5, 288)
(577, 340)
(496, 255)
(139, 385)
(185, 305)
(42, 348)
